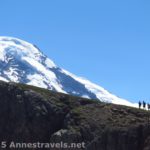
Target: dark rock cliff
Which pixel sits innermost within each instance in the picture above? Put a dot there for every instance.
(30, 114)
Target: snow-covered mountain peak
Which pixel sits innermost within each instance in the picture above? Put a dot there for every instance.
(23, 62)
(14, 47)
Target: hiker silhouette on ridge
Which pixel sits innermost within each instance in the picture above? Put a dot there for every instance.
(148, 105)
(140, 104)
(144, 104)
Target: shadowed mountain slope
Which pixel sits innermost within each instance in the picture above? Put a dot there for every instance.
(23, 62)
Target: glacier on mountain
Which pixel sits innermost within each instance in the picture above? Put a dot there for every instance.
(23, 62)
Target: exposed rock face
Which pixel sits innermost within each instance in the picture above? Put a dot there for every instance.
(30, 114)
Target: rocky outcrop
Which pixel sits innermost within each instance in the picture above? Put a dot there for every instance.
(29, 114)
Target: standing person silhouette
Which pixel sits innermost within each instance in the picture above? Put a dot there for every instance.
(140, 104)
(148, 106)
(144, 104)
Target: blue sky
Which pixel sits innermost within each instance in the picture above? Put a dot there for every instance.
(108, 42)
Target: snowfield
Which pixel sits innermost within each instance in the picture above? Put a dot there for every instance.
(23, 62)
